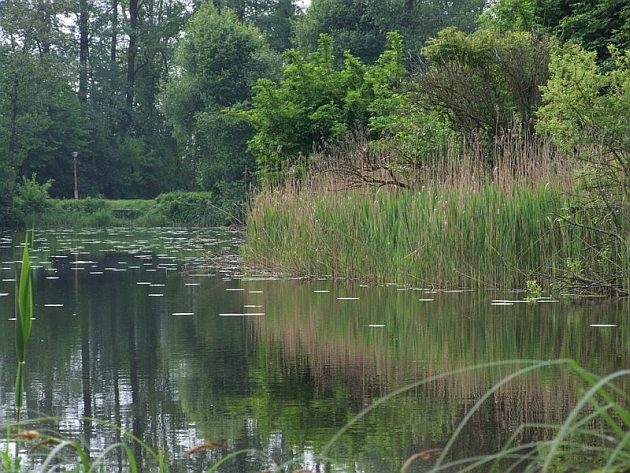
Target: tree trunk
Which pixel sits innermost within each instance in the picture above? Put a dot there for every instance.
(114, 37)
(83, 50)
(132, 51)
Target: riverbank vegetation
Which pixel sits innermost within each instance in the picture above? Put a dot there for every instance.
(430, 190)
(132, 101)
(34, 207)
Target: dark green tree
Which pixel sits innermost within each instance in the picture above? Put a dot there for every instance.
(129, 151)
(274, 18)
(348, 22)
(360, 26)
(486, 81)
(594, 24)
(218, 61)
(40, 121)
(319, 102)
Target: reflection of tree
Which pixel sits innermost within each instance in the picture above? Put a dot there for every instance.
(287, 381)
(86, 385)
(101, 363)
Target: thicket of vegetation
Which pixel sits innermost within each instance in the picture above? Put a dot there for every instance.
(224, 96)
(533, 79)
(35, 208)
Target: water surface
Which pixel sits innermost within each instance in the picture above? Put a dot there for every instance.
(136, 329)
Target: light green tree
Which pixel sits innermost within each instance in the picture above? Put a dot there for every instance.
(585, 111)
(316, 103)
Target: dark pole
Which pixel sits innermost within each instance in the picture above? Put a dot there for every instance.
(76, 181)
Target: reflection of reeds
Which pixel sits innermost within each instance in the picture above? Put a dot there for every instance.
(419, 341)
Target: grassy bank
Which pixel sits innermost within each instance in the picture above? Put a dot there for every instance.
(196, 209)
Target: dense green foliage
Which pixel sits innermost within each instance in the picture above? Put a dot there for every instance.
(586, 112)
(86, 76)
(484, 86)
(315, 103)
(484, 81)
(219, 96)
(171, 209)
(218, 60)
(360, 26)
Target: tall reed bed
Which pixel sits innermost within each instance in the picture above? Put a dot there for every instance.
(470, 217)
(441, 237)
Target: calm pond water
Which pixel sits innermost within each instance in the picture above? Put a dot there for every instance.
(133, 329)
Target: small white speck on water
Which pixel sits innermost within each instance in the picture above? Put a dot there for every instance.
(248, 314)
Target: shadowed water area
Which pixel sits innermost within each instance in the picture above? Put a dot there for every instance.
(135, 328)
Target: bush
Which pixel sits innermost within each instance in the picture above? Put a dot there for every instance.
(101, 218)
(31, 200)
(486, 80)
(189, 208)
(586, 112)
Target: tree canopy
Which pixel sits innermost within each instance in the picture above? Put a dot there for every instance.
(160, 95)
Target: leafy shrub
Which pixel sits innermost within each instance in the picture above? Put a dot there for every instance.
(92, 205)
(486, 80)
(101, 218)
(31, 199)
(189, 208)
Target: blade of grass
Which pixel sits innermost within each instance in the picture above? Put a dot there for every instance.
(425, 381)
(483, 398)
(566, 426)
(228, 457)
(618, 449)
(24, 321)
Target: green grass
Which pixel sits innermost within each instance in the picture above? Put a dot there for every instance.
(49, 453)
(437, 237)
(174, 209)
(594, 436)
(23, 320)
(486, 237)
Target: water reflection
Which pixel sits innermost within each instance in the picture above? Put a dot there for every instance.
(106, 344)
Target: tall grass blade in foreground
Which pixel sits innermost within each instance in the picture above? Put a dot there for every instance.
(594, 437)
(23, 323)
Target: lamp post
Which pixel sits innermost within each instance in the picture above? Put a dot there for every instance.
(76, 181)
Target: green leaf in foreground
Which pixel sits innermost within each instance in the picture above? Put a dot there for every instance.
(24, 321)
